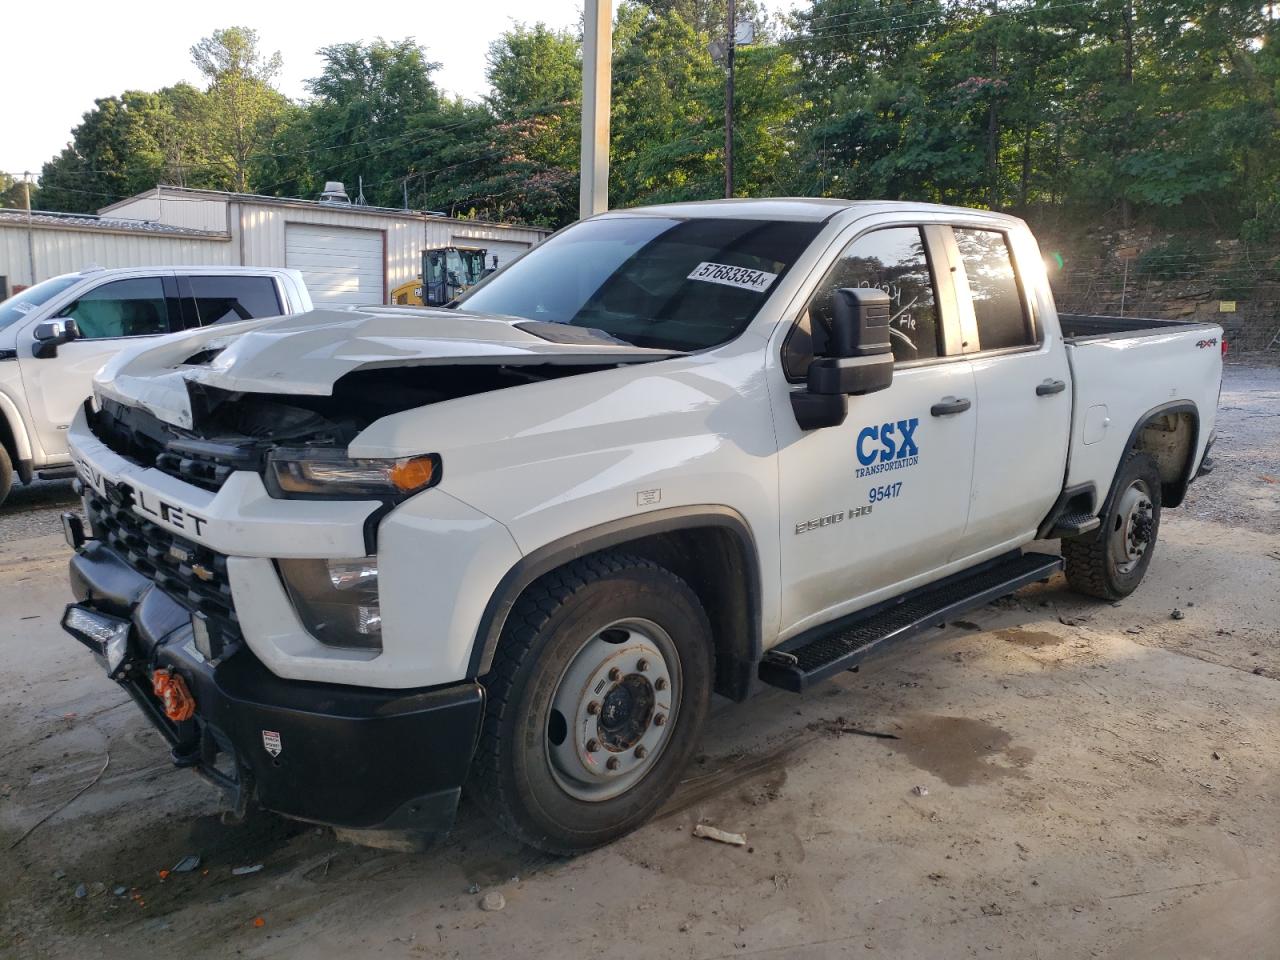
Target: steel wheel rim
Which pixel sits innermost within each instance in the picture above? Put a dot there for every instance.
(1134, 526)
(613, 710)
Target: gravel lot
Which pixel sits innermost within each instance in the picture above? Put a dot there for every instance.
(1096, 780)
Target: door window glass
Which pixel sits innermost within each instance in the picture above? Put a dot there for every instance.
(227, 299)
(122, 308)
(993, 285)
(893, 260)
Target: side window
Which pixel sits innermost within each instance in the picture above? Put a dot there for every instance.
(993, 285)
(122, 308)
(227, 299)
(893, 260)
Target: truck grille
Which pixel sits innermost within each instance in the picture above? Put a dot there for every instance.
(145, 440)
(193, 575)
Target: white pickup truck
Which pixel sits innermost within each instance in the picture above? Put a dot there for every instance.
(348, 563)
(55, 335)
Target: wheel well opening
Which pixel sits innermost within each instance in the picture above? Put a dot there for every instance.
(714, 562)
(1170, 439)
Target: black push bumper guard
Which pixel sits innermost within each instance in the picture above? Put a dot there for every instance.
(350, 757)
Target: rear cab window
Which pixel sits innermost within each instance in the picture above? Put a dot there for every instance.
(226, 299)
(892, 259)
(999, 309)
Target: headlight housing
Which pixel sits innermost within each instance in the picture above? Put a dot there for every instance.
(322, 474)
(337, 600)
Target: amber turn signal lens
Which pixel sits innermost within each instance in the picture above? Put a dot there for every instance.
(413, 474)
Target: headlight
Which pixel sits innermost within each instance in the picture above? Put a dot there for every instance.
(331, 475)
(337, 600)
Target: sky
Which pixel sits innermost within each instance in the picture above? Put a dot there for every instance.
(106, 48)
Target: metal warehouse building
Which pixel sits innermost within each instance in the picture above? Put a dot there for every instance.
(348, 254)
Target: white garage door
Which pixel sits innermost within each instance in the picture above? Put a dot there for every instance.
(341, 266)
(505, 250)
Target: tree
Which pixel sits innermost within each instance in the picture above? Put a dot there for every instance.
(12, 193)
(244, 109)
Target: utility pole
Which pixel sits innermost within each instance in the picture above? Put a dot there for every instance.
(597, 78)
(730, 46)
(31, 240)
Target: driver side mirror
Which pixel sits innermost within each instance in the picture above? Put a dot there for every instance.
(860, 360)
(51, 334)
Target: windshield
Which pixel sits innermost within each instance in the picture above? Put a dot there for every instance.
(21, 304)
(651, 281)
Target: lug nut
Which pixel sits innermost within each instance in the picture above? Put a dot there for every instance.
(641, 752)
(660, 683)
(642, 665)
(660, 720)
(615, 674)
(593, 707)
(593, 746)
(613, 763)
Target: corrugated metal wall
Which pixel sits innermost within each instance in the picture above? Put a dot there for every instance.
(259, 231)
(66, 250)
(176, 210)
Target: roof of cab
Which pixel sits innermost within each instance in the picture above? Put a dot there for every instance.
(812, 209)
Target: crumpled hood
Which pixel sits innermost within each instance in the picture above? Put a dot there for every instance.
(308, 353)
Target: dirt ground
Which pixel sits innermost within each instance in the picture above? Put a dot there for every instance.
(1095, 780)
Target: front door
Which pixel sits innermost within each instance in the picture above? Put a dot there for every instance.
(109, 317)
(883, 498)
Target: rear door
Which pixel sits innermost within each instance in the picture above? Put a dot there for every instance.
(1023, 390)
(883, 498)
(109, 316)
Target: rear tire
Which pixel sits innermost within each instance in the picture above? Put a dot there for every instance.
(1110, 562)
(6, 474)
(596, 700)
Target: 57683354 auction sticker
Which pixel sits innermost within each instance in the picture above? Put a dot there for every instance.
(742, 277)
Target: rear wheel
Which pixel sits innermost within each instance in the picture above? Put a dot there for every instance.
(6, 474)
(1111, 561)
(597, 696)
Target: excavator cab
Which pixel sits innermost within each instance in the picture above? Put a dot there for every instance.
(446, 272)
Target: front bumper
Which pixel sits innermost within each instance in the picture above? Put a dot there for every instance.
(351, 757)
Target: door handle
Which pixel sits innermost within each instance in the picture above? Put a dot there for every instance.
(949, 405)
(1050, 387)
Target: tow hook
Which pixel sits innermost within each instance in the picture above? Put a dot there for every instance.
(171, 690)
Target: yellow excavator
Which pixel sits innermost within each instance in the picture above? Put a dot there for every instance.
(446, 272)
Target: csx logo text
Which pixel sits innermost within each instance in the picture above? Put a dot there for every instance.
(897, 447)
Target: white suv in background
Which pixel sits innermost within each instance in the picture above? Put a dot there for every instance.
(55, 335)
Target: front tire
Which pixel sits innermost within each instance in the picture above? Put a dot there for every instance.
(1111, 562)
(6, 474)
(599, 690)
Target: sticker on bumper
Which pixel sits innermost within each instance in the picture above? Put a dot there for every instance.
(271, 741)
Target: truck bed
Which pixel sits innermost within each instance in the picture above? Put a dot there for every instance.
(1078, 327)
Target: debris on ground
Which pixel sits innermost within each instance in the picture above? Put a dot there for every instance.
(1177, 614)
(82, 891)
(720, 836)
(493, 901)
(920, 791)
(259, 921)
(120, 891)
(244, 871)
(473, 889)
(186, 864)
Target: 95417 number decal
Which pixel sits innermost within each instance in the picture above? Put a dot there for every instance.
(886, 492)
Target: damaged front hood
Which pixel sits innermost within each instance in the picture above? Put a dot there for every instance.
(308, 353)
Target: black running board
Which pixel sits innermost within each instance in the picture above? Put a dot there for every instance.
(834, 647)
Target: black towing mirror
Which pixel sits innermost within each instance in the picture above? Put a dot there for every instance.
(51, 334)
(860, 359)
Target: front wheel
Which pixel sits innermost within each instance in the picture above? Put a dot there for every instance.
(1110, 562)
(6, 474)
(598, 693)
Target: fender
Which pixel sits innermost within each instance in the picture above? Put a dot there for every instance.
(611, 534)
(21, 441)
(1177, 490)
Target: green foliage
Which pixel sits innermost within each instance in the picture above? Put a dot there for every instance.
(1166, 111)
